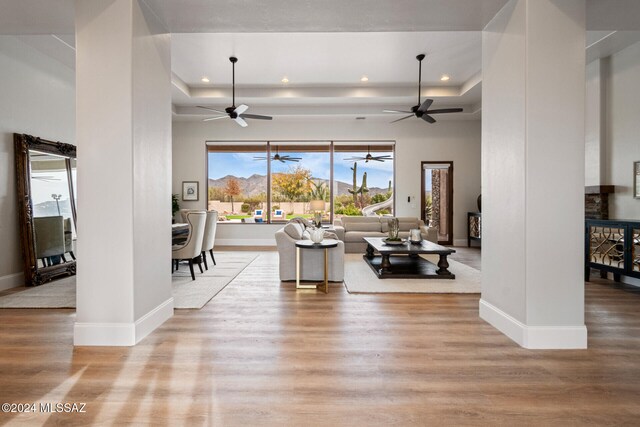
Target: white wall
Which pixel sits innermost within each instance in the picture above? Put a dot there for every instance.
(595, 122)
(416, 141)
(623, 131)
(37, 97)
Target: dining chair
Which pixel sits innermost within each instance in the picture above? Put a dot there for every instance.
(192, 248)
(49, 239)
(209, 237)
(184, 212)
(68, 238)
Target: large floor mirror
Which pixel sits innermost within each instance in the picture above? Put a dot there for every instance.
(46, 181)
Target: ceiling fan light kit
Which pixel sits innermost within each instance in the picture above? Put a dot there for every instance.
(236, 114)
(421, 110)
(278, 158)
(369, 157)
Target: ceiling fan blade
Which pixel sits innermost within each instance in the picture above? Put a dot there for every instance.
(425, 105)
(376, 160)
(428, 118)
(260, 158)
(241, 122)
(212, 109)
(405, 117)
(240, 109)
(256, 116)
(350, 159)
(397, 111)
(214, 118)
(290, 158)
(445, 110)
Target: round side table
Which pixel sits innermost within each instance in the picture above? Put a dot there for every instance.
(326, 244)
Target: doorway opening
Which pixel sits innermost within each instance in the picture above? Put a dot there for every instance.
(437, 198)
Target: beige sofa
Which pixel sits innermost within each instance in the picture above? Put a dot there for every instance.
(311, 260)
(353, 229)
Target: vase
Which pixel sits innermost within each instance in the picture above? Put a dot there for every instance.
(317, 235)
(394, 228)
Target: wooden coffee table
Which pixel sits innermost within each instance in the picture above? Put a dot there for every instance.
(404, 261)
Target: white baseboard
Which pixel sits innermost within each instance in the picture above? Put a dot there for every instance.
(534, 337)
(245, 242)
(11, 281)
(153, 319)
(122, 334)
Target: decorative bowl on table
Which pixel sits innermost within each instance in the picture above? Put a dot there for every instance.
(317, 235)
(399, 242)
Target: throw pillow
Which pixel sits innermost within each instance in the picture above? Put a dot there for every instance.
(294, 230)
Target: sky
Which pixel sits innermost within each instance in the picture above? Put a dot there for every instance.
(244, 164)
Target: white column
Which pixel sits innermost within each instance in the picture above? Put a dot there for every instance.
(533, 109)
(123, 130)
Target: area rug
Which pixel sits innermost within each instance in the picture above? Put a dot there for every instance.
(187, 293)
(360, 279)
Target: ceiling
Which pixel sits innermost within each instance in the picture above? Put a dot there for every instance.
(323, 47)
(325, 70)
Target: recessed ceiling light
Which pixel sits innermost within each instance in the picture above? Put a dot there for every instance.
(205, 79)
(444, 78)
(364, 79)
(285, 80)
(360, 118)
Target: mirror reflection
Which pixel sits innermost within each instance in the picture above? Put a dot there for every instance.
(53, 194)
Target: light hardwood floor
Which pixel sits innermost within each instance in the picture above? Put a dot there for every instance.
(261, 353)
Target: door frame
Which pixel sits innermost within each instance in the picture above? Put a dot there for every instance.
(449, 196)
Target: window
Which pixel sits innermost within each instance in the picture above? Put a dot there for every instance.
(363, 180)
(237, 182)
(300, 180)
(311, 179)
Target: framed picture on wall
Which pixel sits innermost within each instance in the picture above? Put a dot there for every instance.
(636, 180)
(190, 191)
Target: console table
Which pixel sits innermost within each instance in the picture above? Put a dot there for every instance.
(612, 246)
(474, 227)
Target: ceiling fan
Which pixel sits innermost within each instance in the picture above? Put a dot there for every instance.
(235, 113)
(370, 157)
(278, 157)
(421, 110)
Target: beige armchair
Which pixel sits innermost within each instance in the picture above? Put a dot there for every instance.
(192, 248)
(209, 237)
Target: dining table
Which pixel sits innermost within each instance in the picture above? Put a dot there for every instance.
(179, 233)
